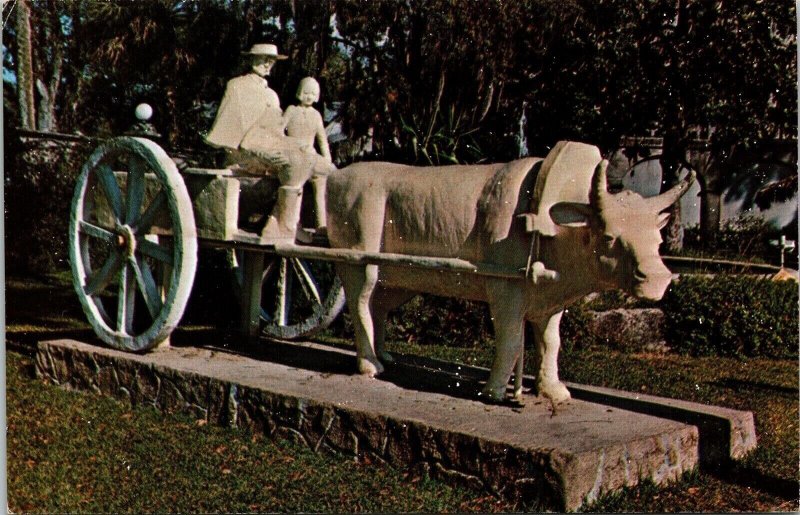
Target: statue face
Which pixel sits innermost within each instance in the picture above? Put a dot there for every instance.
(309, 93)
(262, 66)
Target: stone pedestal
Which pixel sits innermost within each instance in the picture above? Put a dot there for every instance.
(418, 415)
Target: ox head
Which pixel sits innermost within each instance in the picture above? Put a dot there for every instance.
(625, 234)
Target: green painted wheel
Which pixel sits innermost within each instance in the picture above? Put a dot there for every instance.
(299, 297)
(133, 243)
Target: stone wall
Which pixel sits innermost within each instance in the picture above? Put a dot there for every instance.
(630, 330)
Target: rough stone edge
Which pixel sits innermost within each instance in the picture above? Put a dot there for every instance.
(725, 433)
(649, 321)
(555, 479)
(666, 458)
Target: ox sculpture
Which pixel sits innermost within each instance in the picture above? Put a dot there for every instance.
(553, 217)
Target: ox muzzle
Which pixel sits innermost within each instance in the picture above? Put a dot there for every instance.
(651, 280)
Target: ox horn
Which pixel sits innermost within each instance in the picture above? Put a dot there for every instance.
(599, 191)
(663, 201)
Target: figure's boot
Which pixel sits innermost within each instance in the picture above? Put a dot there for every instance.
(319, 182)
(282, 222)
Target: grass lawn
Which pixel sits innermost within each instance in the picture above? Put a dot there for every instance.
(77, 452)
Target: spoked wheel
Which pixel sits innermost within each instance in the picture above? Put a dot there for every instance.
(299, 297)
(133, 243)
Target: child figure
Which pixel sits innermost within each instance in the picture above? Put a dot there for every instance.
(305, 123)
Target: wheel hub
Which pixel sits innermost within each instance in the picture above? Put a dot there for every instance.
(126, 240)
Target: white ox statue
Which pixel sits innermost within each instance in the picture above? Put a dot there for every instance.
(556, 214)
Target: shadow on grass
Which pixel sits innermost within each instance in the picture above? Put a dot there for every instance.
(737, 384)
(24, 342)
(752, 478)
(43, 308)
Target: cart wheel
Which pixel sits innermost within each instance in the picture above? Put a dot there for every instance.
(299, 297)
(133, 243)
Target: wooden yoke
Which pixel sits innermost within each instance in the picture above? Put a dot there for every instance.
(565, 176)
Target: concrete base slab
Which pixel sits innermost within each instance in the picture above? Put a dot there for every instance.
(725, 433)
(413, 416)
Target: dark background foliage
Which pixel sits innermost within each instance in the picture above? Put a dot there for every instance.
(426, 82)
(591, 70)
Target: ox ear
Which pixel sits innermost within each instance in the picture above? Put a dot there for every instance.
(572, 214)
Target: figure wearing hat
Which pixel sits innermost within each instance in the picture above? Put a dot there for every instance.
(245, 99)
(249, 125)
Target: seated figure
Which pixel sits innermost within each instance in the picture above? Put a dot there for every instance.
(305, 123)
(249, 125)
(246, 97)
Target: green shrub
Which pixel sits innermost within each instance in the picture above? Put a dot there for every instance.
(575, 328)
(732, 316)
(436, 320)
(39, 185)
(705, 316)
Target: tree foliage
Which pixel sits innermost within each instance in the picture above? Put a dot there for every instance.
(584, 69)
(443, 79)
(721, 70)
(430, 81)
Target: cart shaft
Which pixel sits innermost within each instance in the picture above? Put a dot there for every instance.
(357, 257)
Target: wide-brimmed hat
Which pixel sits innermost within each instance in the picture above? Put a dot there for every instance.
(265, 50)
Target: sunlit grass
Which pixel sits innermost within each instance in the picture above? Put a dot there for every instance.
(72, 452)
(81, 453)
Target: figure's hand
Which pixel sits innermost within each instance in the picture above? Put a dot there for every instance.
(322, 167)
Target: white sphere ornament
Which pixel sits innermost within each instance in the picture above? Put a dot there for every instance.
(144, 112)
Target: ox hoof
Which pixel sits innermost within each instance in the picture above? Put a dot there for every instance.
(555, 391)
(493, 394)
(369, 368)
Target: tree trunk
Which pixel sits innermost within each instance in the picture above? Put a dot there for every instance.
(46, 108)
(708, 165)
(670, 161)
(50, 70)
(25, 81)
(710, 211)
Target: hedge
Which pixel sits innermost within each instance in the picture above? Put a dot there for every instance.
(39, 183)
(435, 320)
(720, 315)
(732, 316)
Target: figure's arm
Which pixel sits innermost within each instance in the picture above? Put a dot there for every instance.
(287, 116)
(322, 139)
(271, 121)
(227, 131)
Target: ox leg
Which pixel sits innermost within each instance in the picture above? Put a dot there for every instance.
(519, 371)
(509, 323)
(548, 342)
(383, 302)
(359, 284)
